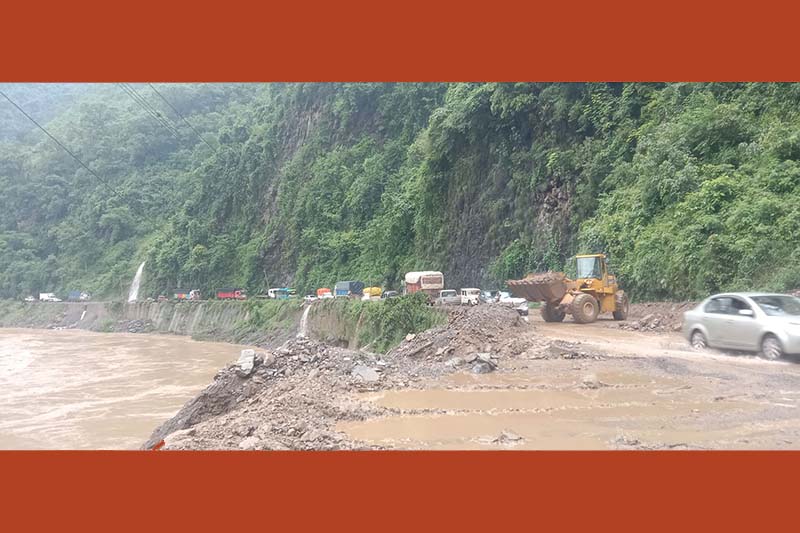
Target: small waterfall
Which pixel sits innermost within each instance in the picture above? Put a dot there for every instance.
(304, 322)
(133, 294)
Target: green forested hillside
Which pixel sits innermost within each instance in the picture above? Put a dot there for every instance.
(690, 188)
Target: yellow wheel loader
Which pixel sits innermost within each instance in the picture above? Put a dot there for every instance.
(594, 291)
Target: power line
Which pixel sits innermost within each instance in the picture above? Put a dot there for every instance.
(181, 116)
(154, 114)
(140, 104)
(75, 157)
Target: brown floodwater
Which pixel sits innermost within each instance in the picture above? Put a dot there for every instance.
(74, 389)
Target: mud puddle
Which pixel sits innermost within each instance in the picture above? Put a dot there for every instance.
(590, 405)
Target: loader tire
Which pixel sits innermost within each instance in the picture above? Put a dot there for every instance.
(585, 308)
(622, 305)
(551, 313)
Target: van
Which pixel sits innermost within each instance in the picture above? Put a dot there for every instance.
(470, 296)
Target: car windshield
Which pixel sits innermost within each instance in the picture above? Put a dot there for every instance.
(778, 305)
(588, 267)
(448, 293)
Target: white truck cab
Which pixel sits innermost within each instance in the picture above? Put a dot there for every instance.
(470, 296)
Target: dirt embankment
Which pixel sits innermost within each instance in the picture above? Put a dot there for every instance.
(266, 322)
(295, 395)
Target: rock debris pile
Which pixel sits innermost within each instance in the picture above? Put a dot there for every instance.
(292, 397)
(656, 317)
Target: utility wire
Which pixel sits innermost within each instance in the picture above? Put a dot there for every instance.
(154, 114)
(181, 117)
(137, 101)
(75, 157)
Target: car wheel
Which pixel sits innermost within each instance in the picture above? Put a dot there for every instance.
(771, 348)
(698, 340)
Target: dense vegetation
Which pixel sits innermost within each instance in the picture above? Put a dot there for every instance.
(383, 325)
(690, 188)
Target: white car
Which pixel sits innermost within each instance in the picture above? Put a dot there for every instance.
(310, 298)
(506, 298)
(753, 322)
(30, 299)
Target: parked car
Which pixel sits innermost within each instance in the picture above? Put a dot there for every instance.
(30, 299)
(48, 297)
(448, 297)
(522, 309)
(506, 298)
(753, 322)
(470, 296)
(488, 297)
(389, 294)
(310, 298)
(324, 292)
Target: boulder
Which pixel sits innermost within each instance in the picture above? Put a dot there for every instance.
(268, 359)
(454, 362)
(482, 367)
(250, 443)
(246, 362)
(365, 373)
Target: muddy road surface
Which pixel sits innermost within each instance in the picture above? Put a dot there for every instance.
(596, 386)
(490, 380)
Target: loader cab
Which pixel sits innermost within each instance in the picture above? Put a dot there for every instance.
(590, 266)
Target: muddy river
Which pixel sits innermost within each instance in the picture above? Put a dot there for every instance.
(76, 389)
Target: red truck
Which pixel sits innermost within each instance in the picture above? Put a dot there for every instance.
(430, 282)
(231, 294)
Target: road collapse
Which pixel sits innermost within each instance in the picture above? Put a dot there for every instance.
(292, 397)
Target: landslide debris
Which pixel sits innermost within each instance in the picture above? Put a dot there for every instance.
(656, 316)
(545, 277)
(292, 397)
(492, 329)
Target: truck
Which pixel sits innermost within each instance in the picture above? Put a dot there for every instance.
(348, 289)
(231, 294)
(429, 281)
(78, 296)
(48, 297)
(181, 294)
(324, 292)
(593, 291)
(372, 293)
(470, 296)
(448, 297)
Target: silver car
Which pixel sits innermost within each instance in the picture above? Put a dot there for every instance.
(754, 322)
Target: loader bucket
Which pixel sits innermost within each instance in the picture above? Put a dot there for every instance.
(546, 287)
